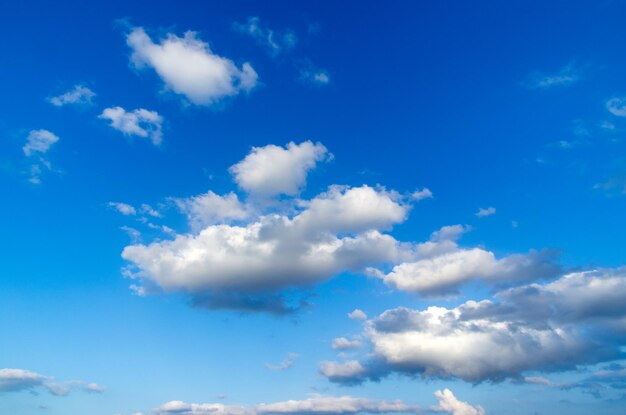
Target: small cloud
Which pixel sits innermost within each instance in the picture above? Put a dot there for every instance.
(514, 224)
(140, 122)
(79, 95)
(425, 193)
(189, 67)
(341, 343)
(357, 314)
(284, 364)
(314, 76)
(148, 210)
(450, 404)
(617, 106)
(123, 208)
(94, 388)
(484, 212)
(39, 141)
(567, 75)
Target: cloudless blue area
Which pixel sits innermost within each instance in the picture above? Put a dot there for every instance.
(422, 94)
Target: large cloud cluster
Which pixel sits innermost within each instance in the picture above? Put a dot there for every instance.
(324, 405)
(577, 319)
(244, 252)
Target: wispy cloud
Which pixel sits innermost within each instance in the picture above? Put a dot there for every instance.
(79, 95)
(286, 363)
(567, 75)
(275, 42)
(484, 212)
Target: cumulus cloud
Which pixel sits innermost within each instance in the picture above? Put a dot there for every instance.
(317, 404)
(450, 404)
(444, 274)
(262, 252)
(39, 141)
(575, 320)
(139, 122)
(338, 231)
(341, 343)
(18, 380)
(349, 372)
(567, 75)
(79, 95)
(273, 170)
(357, 314)
(483, 212)
(275, 42)
(189, 67)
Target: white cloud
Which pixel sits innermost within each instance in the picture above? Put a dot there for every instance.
(123, 208)
(424, 193)
(271, 254)
(445, 273)
(617, 106)
(348, 372)
(568, 75)
(79, 95)
(357, 314)
(273, 170)
(189, 67)
(337, 231)
(317, 404)
(183, 408)
(449, 403)
(336, 405)
(39, 141)
(139, 122)
(341, 343)
(18, 380)
(275, 42)
(15, 380)
(210, 209)
(483, 212)
(149, 210)
(314, 76)
(575, 320)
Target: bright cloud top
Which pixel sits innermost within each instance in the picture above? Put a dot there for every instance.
(189, 67)
(274, 170)
(449, 403)
(79, 95)
(139, 122)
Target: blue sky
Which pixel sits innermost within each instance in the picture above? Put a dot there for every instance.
(253, 208)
